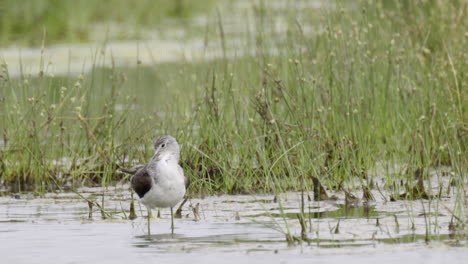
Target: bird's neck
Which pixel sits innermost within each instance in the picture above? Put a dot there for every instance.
(169, 158)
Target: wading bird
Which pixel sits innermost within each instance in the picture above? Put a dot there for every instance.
(161, 182)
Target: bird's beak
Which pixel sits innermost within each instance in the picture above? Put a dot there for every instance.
(155, 154)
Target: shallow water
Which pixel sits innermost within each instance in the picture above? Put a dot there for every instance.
(56, 228)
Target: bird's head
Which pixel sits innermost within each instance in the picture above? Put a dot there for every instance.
(166, 147)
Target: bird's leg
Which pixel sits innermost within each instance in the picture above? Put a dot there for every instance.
(149, 221)
(172, 222)
(178, 213)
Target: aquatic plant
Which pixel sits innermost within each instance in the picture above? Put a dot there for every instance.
(351, 97)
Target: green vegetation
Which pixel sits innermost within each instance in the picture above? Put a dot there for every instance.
(32, 21)
(342, 95)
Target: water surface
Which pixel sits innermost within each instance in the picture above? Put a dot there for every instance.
(56, 228)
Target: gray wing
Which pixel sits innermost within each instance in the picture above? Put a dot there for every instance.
(153, 172)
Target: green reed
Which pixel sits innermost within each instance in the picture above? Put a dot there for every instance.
(344, 95)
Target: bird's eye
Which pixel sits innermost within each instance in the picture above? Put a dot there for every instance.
(163, 145)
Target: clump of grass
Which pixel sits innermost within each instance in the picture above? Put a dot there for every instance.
(56, 134)
(329, 105)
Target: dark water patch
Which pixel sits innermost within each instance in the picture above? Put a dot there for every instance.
(414, 238)
(265, 201)
(404, 239)
(222, 240)
(11, 221)
(343, 211)
(431, 214)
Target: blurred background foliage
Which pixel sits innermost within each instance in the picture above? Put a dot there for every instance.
(29, 22)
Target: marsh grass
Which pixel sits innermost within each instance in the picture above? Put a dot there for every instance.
(370, 88)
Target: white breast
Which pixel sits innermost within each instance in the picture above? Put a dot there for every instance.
(169, 185)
